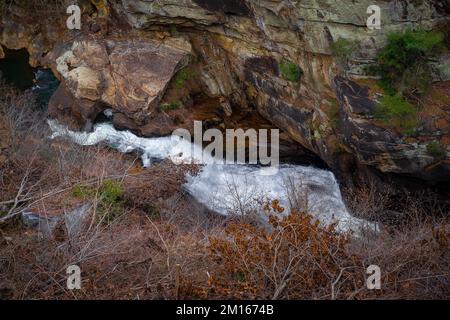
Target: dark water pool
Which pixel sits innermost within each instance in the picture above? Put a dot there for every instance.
(45, 84)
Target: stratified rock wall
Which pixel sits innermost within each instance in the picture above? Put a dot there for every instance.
(236, 47)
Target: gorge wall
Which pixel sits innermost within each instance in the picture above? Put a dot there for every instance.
(149, 61)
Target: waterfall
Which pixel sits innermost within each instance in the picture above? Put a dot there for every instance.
(237, 188)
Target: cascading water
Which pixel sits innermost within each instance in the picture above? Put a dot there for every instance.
(236, 188)
(45, 84)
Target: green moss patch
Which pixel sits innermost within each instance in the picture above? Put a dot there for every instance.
(290, 71)
(435, 150)
(395, 111)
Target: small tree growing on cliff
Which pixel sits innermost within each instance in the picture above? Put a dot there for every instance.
(403, 62)
(405, 75)
(342, 50)
(290, 71)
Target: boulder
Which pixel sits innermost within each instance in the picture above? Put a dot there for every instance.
(77, 114)
(128, 76)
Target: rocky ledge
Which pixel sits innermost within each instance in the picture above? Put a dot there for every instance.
(150, 61)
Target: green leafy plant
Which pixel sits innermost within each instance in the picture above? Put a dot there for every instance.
(111, 204)
(83, 192)
(109, 195)
(170, 106)
(343, 49)
(182, 76)
(402, 63)
(290, 71)
(112, 191)
(173, 30)
(397, 112)
(435, 150)
(333, 113)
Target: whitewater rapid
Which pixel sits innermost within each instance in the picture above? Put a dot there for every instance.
(237, 188)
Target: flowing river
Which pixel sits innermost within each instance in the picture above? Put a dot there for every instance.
(226, 188)
(223, 188)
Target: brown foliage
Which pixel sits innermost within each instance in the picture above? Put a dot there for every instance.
(295, 259)
(165, 246)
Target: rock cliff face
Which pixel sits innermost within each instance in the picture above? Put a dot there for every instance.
(130, 61)
(129, 76)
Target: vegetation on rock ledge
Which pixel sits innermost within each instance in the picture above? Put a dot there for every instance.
(108, 199)
(182, 76)
(396, 111)
(405, 75)
(403, 62)
(342, 50)
(170, 106)
(435, 150)
(290, 71)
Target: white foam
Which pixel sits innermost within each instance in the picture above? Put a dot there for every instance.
(232, 188)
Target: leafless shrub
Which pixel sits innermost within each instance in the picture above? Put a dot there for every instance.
(22, 118)
(163, 246)
(368, 202)
(23, 144)
(296, 193)
(412, 248)
(414, 262)
(401, 209)
(148, 256)
(295, 259)
(243, 200)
